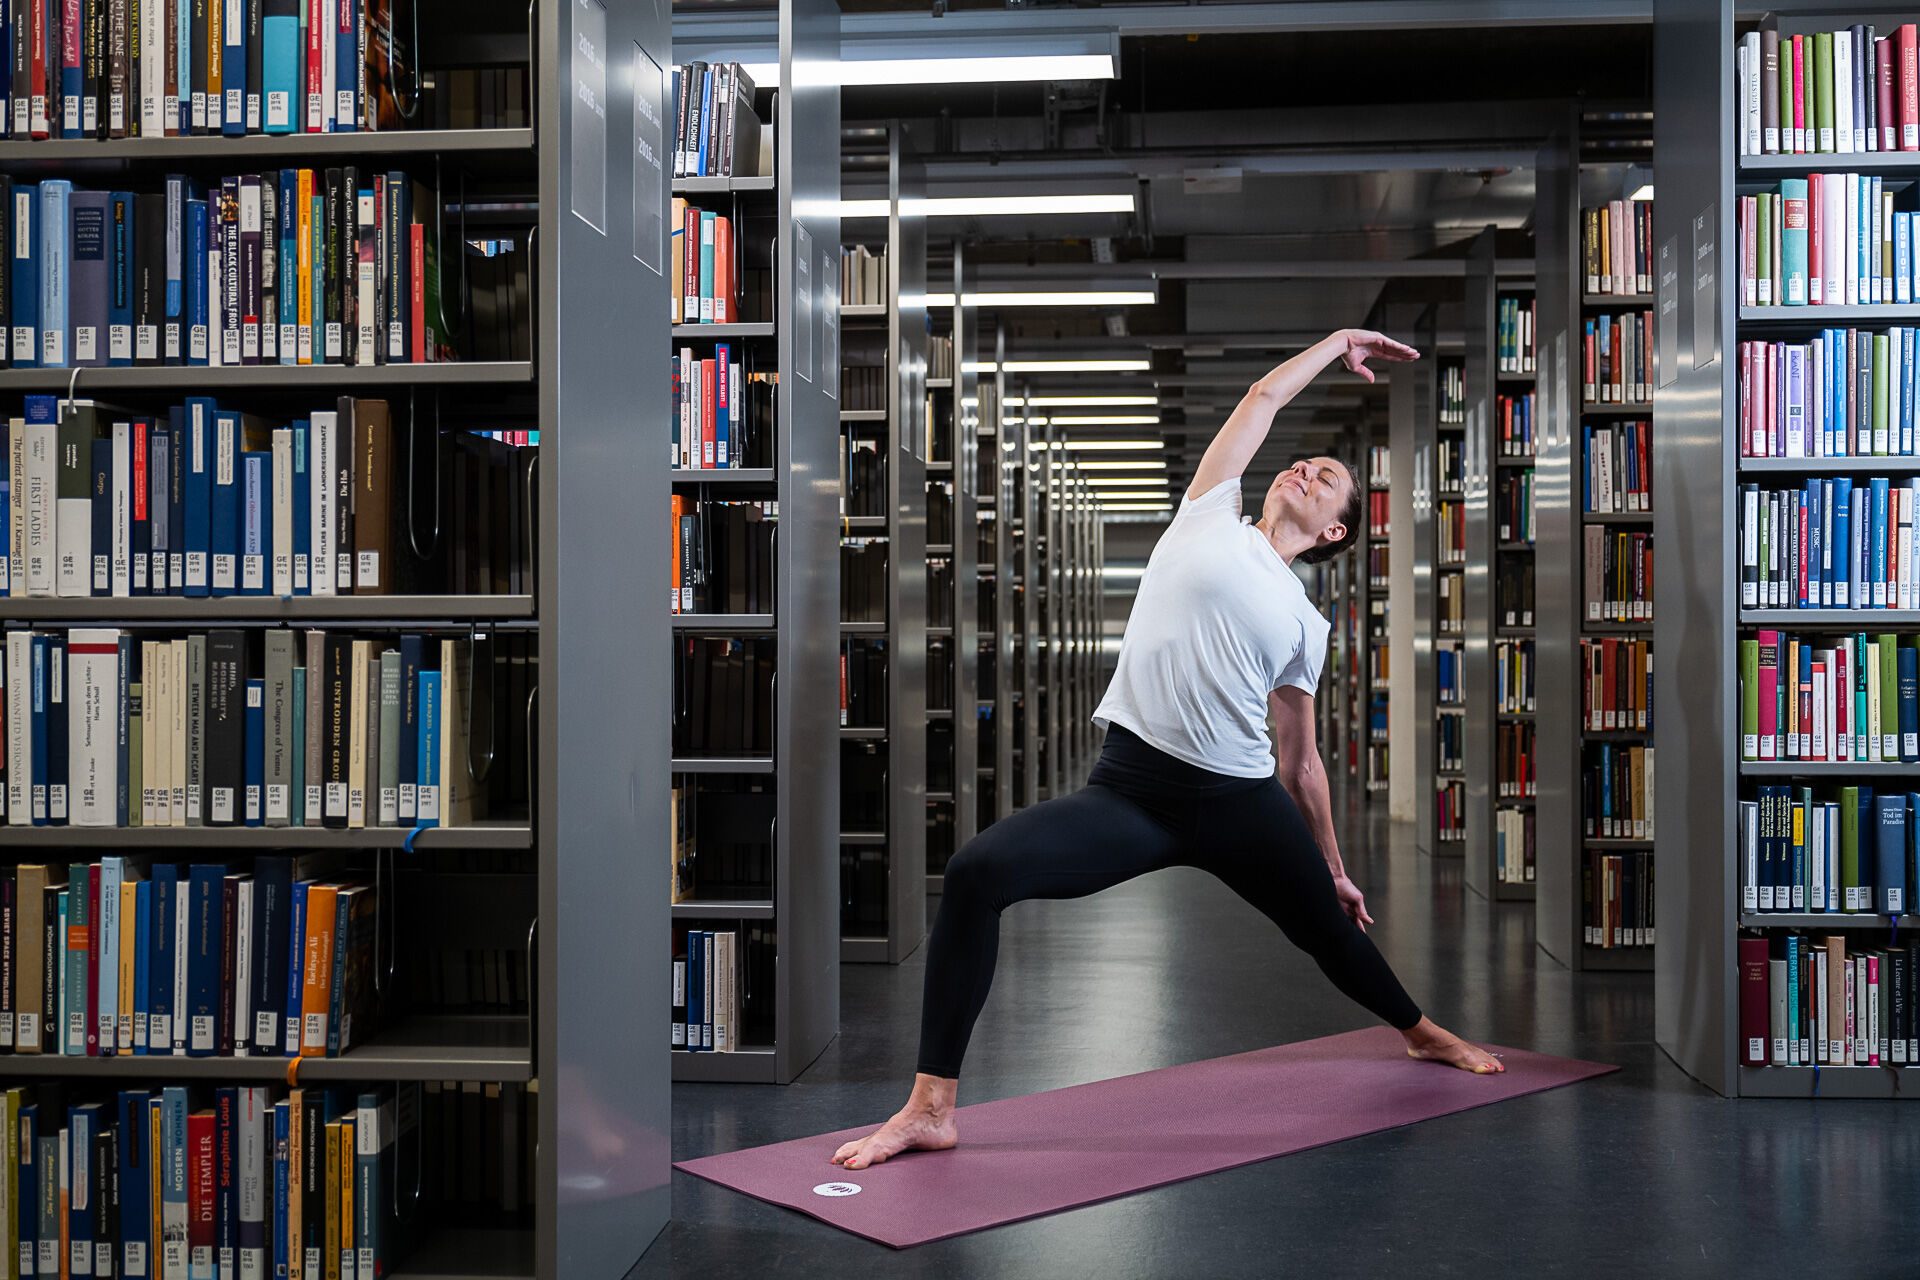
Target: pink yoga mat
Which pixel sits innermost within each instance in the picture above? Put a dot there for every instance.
(1024, 1157)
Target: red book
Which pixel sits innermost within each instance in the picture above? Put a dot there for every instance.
(417, 291)
(41, 109)
(203, 1189)
(1909, 88)
(1755, 1012)
(140, 576)
(1889, 139)
(1800, 95)
(90, 1001)
(1814, 241)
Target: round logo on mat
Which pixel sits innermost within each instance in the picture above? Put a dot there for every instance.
(837, 1189)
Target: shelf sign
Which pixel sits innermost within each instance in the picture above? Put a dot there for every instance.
(1560, 422)
(802, 302)
(1706, 311)
(1666, 331)
(649, 99)
(589, 121)
(830, 325)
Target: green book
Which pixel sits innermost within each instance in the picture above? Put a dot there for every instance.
(1880, 366)
(1849, 848)
(1763, 249)
(1889, 647)
(1750, 699)
(1823, 90)
(1789, 137)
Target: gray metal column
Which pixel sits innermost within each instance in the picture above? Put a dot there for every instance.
(965, 644)
(1406, 717)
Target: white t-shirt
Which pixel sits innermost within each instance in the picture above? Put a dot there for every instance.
(1219, 622)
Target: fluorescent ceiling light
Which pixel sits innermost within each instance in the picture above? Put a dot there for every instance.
(1123, 464)
(1136, 506)
(1045, 298)
(1128, 445)
(1108, 420)
(983, 206)
(1642, 192)
(1136, 365)
(974, 70)
(1128, 495)
(1062, 401)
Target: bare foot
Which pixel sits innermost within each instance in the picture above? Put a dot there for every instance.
(911, 1129)
(1430, 1043)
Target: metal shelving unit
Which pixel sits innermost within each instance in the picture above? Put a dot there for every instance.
(1444, 577)
(797, 212)
(897, 331)
(994, 487)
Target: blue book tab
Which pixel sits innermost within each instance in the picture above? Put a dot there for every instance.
(282, 1184)
(429, 753)
(1877, 559)
(100, 494)
(256, 523)
(233, 72)
(297, 808)
(56, 202)
(280, 66)
(133, 1141)
(255, 739)
(1907, 664)
(165, 878)
(205, 939)
(173, 1179)
(194, 248)
(296, 970)
(348, 59)
(120, 269)
(408, 750)
(23, 261)
(142, 961)
(223, 519)
(302, 509)
(1890, 855)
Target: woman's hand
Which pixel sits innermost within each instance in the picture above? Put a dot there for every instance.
(1363, 345)
(1352, 901)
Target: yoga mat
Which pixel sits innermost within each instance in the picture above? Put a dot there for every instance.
(1025, 1157)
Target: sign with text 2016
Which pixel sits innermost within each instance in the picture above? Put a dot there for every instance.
(589, 132)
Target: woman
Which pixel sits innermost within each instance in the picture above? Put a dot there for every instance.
(1221, 630)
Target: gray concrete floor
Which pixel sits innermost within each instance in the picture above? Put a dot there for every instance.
(1639, 1173)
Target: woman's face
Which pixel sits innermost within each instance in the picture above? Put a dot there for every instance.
(1310, 496)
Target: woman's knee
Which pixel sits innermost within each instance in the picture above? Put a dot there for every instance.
(977, 870)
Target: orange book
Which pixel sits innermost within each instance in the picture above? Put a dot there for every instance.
(722, 270)
(316, 981)
(679, 509)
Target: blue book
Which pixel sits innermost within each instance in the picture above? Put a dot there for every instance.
(173, 1179)
(1858, 558)
(1890, 855)
(133, 1140)
(280, 67)
(120, 273)
(297, 809)
(348, 58)
(1907, 664)
(37, 732)
(1793, 1001)
(1842, 541)
(194, 249)
(706, 124)
(233, 76)
(429, 753)
(373, 1147)
(24, 267)
(408, 749)
(255, 739)
(100, 494)
(1913, 839)
(223, 518)
(1902, 259)
(722, 410)
(165, 879)
(27, 1180)
(1812, 595)
(84, 1122)
(296, 970)
(173, 345)
(72, 123)
(696, 1003)
(302, 509)
(288, 297)
(58, 761)
(142, 961)
(56, 203)
(205, 939)
(1877, 549)
(282, 1185)
(256, 524)
(197, 498)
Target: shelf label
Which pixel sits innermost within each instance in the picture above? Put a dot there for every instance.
(649, 200)
(1706, 310)
(1560, 393)
(589, 141)
(802, 302)
(1666, 330)
(830, 322)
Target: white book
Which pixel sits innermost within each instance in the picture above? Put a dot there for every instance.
(242, 965)
(255, 1174)
(117, 556)
(14, 580)
(1820, 1023)
(41, 442)
(162, 696)
(1833, 198)
(177, 801)
(250, 223)
(182, 921)
(1840, 136)
(149, 705)
(1816, 830)
(282, 511)
(365, 282)
(357, 736)
(93, 726)
(324, 536)
(19, 728)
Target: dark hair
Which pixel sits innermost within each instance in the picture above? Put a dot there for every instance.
(1350, 515)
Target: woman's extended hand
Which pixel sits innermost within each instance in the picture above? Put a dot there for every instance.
(1364, 345)
(1352, 901)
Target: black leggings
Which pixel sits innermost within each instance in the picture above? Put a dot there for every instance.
(1141, 810)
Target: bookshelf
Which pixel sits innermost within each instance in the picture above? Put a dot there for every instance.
(1700, 176)
(954, 585)
(1410, 392)
(998, 600)
(1500, 389)
(1377, 546)
(568, 886)
(1446, 549)
(1023, 463)
(791, 218)
(883, 883)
